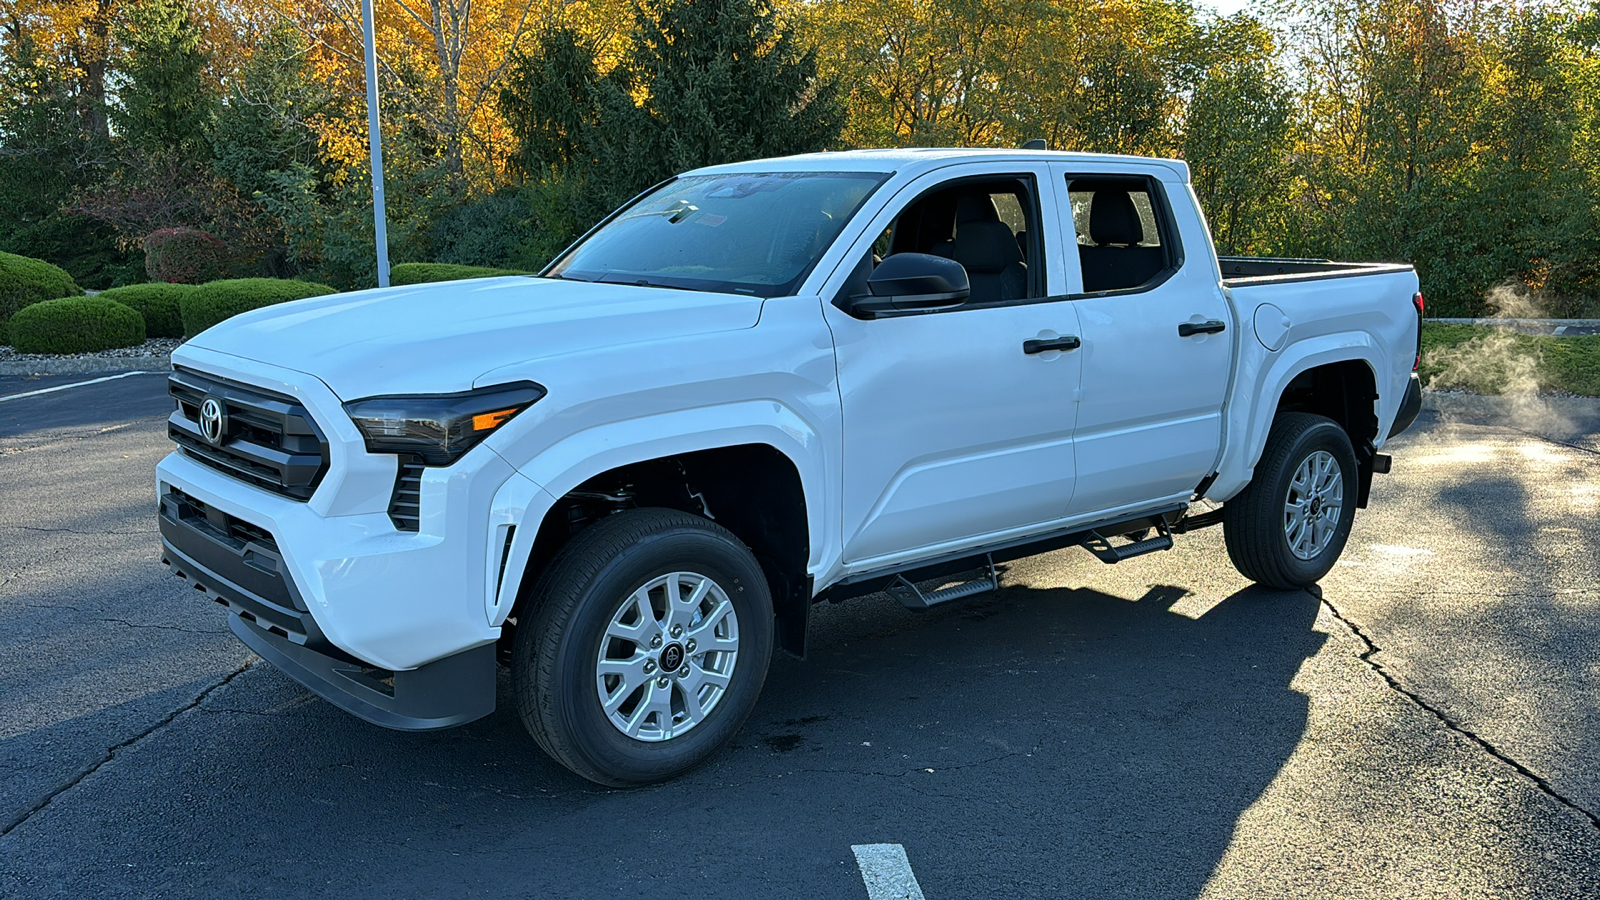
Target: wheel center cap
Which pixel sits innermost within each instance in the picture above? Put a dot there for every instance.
(1316, 505)
(671, 657)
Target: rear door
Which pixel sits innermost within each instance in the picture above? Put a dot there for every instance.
(1157, 337)
(957, 429)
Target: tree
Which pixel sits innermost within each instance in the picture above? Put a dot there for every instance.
(75, 37)
(47, 159)
(1081, 74)
(441, 64)
(701, 82)
(1238, 133)
(723, 82)
(164, 104)
(266, 122)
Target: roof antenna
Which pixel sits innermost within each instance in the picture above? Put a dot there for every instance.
(1036, 144)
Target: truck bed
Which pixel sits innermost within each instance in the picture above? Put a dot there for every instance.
(1241, 270)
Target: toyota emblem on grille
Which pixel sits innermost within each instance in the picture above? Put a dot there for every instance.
(213, 421)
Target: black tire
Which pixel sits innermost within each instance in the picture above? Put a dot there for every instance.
(1254, 523)
(559, 642)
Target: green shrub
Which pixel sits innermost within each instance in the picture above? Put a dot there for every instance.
(25, 281)
(485, 232)
(423, 273)
(76, 325)
(208, 304)
(184, 256)
(157, 302)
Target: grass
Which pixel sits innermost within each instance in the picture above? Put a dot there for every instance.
(1488, 360)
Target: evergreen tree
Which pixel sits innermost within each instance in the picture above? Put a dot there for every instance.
(46, 160)
(551, 103)
(721, 81)
(165, 104)
(262, 125)
(39, 141)
(724, 82)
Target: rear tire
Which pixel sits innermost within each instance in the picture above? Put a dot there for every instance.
(1287, 528)
(645, 649)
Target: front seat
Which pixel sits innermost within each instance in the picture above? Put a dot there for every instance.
(988, 251)
(970, 207)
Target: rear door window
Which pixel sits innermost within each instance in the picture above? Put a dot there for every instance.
(1123, 232)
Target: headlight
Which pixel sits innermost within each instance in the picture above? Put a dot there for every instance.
(439, 427)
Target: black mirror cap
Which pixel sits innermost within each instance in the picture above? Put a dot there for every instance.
(918, 274)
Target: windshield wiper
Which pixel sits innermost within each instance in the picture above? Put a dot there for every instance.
(634, 280)
(674, 214)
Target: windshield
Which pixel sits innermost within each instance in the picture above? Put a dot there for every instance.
(749, 233)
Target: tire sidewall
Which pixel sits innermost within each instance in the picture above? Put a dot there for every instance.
(577, 706)
(1330, 437)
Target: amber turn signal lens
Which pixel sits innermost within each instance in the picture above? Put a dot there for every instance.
(489, 421)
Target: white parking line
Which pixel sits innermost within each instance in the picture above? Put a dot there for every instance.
(62, 387)
(887, 872)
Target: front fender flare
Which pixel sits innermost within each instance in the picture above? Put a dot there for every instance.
(582, 455)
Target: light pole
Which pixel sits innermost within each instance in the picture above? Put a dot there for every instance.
(375, 139)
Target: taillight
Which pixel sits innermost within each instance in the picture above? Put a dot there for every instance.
(1417, 301)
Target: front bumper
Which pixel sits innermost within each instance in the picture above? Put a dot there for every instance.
(239, 566)
(398, 627)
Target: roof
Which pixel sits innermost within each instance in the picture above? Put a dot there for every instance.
(922, 158)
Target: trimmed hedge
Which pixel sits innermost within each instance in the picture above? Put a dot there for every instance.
(76, 325)
(157, 302)
(25, 281)
(425, 273)
(207, 304)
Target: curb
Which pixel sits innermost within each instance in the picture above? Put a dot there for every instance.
(1553, 327)
(1495, 320)
(87, 366)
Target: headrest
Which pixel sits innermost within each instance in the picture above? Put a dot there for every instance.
(986, 247)
(1113, 218)
(975, 208)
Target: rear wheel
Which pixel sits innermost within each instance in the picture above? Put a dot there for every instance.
(1287, 528)
(646, 649)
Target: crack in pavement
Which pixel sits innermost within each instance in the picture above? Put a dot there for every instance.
(1569, 444)
(161, 627)
(1372, 649)
(21, 818)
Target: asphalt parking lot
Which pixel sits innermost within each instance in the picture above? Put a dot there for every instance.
(1426, 727)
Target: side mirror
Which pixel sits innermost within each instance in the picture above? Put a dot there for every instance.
(913, 282)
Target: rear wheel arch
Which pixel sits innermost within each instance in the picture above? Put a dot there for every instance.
(1347, 393)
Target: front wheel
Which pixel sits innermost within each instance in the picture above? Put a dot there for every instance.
(647, 646)
(1287, 528)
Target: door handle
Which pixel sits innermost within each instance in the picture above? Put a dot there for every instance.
(1038, 345)
(1190, 329)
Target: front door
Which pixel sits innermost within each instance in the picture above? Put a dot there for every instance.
(954, 433)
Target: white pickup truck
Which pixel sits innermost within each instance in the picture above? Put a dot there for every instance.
(757, 387)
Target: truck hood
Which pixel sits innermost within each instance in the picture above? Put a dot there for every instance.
(438, 338)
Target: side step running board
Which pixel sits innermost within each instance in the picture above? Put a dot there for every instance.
(914, 597)
(1107, 552)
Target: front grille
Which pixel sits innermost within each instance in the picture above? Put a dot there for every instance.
(270, 440)
(230, 530)
(405, 506)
